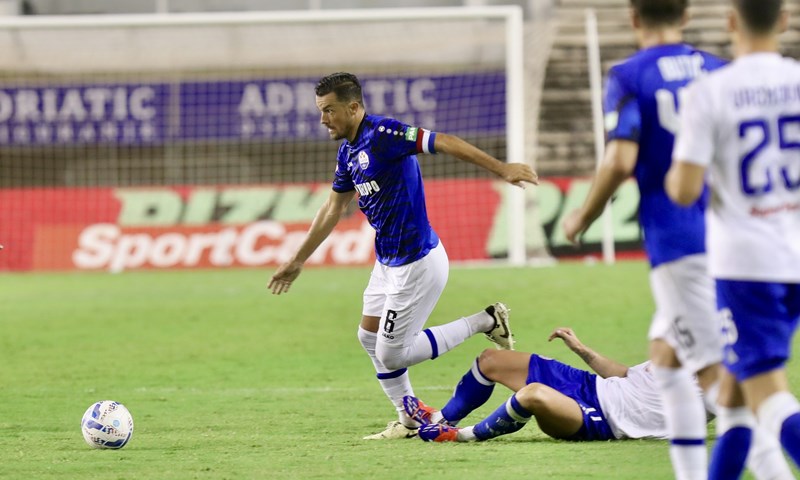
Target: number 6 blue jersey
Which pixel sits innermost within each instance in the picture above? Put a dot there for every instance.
(641, 105)
(742, 122)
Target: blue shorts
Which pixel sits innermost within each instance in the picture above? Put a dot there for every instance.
(578, 385)
(759, 320)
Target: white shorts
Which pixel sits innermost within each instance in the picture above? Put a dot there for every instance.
(403, 297)
(686, 314)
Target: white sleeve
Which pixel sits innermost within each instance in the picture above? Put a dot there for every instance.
(694, 142)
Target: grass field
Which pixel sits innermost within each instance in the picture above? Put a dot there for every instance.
(226, 381)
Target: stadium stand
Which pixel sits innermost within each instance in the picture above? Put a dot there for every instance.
(565, 125)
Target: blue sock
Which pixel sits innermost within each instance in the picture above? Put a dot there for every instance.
(471, 392)
(730, 453)
(508, 418)
(790, 437)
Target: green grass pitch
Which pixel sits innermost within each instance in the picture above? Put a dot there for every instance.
(226, 381)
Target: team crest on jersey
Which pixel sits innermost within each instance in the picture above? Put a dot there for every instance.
(363, 159)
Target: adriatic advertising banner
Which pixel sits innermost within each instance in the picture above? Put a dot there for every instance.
(154, 113)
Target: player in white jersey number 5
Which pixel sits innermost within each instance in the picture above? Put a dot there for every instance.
(377, 160)
(741, 124)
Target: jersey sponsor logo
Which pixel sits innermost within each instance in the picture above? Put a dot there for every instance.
(363, 159)
(411, 134)
(367, 188)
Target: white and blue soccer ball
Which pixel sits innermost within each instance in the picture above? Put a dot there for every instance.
(107, 424)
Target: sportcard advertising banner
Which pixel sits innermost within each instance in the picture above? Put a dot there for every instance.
(118, 229)
(274, 108)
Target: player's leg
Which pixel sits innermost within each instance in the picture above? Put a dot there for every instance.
(476, 386)
(508, 418)
(737, 429)
(556, 414)
(779, 412)
(553, 392)
(684, 339)
(395, 383)
(760, 319)
(777, 409)
(735, 424)
(412, 292)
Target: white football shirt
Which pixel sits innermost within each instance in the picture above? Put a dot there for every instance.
(632, 404)
(742, 122)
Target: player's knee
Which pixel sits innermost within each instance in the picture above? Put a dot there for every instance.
(488, 363)
(393, 359)
(533, 396)
(366, 339)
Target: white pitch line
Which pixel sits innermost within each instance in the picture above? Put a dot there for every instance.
(273, 390)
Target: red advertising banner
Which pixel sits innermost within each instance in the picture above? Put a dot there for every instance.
(117, 229)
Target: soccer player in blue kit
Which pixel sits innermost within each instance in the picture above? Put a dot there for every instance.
(377, 160)
(641, 101)
(741, 126)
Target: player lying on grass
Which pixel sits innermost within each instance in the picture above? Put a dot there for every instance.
(617, 402)
(567, 403)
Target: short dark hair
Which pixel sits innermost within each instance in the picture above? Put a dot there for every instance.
(759, 16)
(345, 85)
(656, 13)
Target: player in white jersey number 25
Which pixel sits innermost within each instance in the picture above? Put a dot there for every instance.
(741, 125)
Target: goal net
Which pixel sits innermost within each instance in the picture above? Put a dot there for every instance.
(193, 140)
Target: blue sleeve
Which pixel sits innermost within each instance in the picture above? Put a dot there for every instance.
(623, 119)
(713, 62)
(394, 140)
(342, 181)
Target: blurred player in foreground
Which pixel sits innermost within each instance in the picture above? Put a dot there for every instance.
(618, 402)
(377, 160)
(742, 124)
(641, 101)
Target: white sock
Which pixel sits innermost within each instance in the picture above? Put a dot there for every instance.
(436, 341)
(775, 410)
(465, 435)
(480, 322)
(728, 418)
(395, 387)
(453, 334)
(686, 422)
(766, 460)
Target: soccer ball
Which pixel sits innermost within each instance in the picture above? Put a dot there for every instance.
(107, 424)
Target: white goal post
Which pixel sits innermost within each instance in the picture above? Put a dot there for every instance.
(192, 140)
(596, 88)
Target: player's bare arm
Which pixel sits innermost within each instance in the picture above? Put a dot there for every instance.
(325, 220)
(515, 173)
(602, 365)
(684, 182)
(618, 164)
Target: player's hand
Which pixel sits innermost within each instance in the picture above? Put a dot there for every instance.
(518, 174)
(284, 276)
(573, 226)
(568, 336)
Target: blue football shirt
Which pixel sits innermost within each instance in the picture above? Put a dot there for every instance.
(381, 165)
(641, 105)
